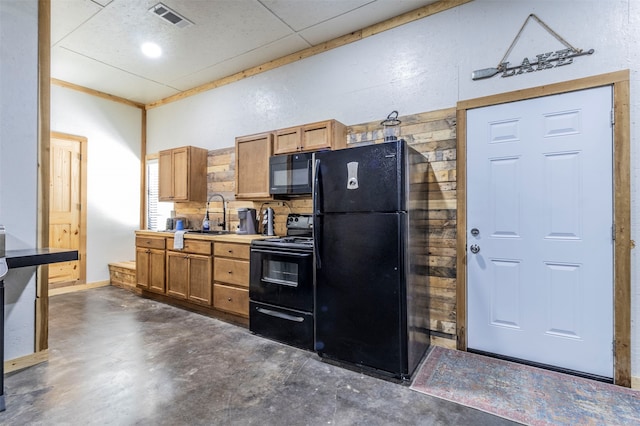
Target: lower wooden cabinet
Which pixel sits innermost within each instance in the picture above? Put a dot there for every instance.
(199, 286)
(231, 299)
(150, 264)
(189, 271)
(189, 277)
(231, 276)
(205, 273)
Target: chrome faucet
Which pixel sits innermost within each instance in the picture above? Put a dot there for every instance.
(224, 209)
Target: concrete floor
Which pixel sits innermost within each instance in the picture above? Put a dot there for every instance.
(118, 359)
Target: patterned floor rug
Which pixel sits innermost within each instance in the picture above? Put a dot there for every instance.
(524, 394)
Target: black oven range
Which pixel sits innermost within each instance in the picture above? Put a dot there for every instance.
(281, 300)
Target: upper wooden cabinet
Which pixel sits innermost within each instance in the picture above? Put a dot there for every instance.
(329, 134)
(252, 166)
(183, 174)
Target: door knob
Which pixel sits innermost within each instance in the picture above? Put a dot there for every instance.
(475, 249)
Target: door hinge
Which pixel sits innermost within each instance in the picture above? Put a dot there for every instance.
(613, 232)
(613, 116)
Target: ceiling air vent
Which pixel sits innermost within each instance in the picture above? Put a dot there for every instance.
(171, 16)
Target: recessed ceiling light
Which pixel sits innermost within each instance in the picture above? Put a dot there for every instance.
(151, 50)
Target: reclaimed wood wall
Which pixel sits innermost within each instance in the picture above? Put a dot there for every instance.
(434, 135)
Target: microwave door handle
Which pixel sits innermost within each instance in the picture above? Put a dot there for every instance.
(317, 228)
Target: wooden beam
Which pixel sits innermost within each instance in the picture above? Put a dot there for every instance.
(461, 230)
(44, 127)
(143, 172)
(97, 93)
(623, 242)
(420, 13)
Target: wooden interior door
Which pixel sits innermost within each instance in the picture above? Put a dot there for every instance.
(67, 229)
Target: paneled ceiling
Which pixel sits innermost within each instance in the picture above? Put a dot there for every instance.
(96, 43)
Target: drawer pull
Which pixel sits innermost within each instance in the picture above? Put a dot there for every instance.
(229, 272)
(229, 299)
(280, 315)
(230, 251)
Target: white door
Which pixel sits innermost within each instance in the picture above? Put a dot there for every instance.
(540, 266)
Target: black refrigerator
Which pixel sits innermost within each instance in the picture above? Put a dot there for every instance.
(370, 235)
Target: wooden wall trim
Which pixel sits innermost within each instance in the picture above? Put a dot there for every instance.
(622, 204)
(461, 230)
(96, 93)
(44, 128)
(143, 171)
(552, 89)
(623, 243)
(26, 361)
(423, 12)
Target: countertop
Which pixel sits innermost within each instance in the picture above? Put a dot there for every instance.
(39, 256)
(226, 238)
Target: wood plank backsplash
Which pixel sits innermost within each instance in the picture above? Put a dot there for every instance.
(434, 135)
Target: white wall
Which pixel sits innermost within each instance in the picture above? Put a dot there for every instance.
(113, 131)
(422, 66)
(18, 164)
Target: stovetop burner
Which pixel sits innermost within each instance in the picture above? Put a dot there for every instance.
(299, 234)
(293, 240)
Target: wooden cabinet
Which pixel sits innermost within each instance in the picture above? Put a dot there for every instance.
(150, 264)
(252, 166)
(329, 134)
(183, 174)
(231, 278)
(208, 275)
(189, 271)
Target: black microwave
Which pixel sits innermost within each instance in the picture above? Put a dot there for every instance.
(291, 174)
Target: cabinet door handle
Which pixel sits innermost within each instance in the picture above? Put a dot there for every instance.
(229, 272)
(229, 299)
(229, 251)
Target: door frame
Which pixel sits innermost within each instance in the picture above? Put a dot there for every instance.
(619, 80)
(82, 249)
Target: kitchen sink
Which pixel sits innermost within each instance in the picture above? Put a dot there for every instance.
(211, 232)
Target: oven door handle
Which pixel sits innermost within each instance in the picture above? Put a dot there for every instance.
(280, 315)
(281, 253)
(317, 228)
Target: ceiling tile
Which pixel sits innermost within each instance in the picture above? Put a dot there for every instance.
(301, 14)
(67, 16)
(278, 49)
(83, 71)
(374, 13)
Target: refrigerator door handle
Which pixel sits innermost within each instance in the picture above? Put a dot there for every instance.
(316, 212)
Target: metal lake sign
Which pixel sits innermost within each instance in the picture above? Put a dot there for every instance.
(543, 61)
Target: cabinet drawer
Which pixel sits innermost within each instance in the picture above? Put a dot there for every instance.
(239, 251)
(230, 299)
(150, 242)
(231, 271)
(192, 246)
